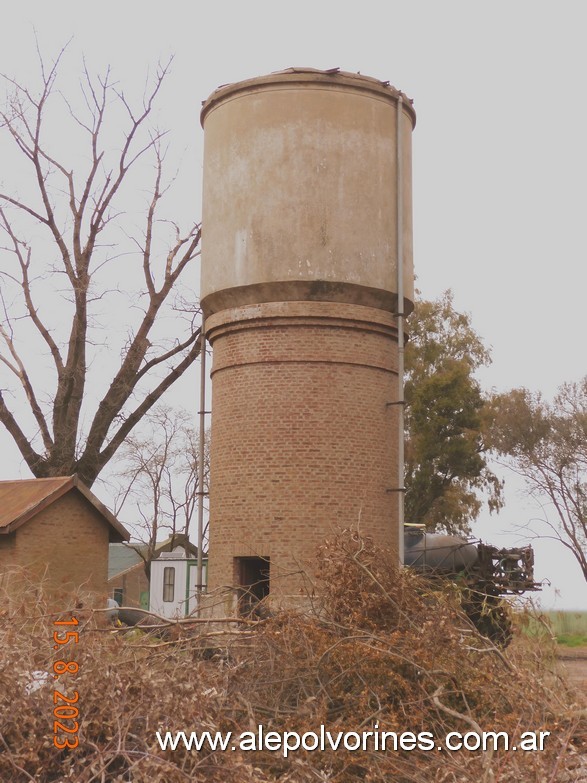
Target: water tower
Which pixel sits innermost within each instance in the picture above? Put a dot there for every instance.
(306, 209)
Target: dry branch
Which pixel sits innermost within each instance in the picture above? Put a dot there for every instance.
(294, 671)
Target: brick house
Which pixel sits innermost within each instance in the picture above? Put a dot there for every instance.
(55, 532)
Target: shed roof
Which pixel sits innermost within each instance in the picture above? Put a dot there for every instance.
(22, 499)
(125, 557)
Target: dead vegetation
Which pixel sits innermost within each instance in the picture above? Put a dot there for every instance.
(385, 651)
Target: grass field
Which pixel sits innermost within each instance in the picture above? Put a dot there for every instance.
(570, 628)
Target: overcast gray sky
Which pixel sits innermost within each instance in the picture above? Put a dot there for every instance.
(499, 150)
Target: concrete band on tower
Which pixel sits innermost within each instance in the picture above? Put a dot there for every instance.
(299, 292)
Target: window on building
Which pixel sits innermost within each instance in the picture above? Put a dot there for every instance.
(252, 576)
(168, 583)
(119, 595)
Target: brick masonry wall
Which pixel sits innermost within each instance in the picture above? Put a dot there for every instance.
(303, 439)
(65, 546)
(7, 560)
(133, 582)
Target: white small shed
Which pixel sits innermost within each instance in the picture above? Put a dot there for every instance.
(173, 586)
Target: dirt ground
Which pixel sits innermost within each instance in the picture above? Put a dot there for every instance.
(574, 660)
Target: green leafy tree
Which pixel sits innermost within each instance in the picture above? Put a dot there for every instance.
(546, 443)
(445, 466)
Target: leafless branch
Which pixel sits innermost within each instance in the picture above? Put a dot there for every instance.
(76, 207)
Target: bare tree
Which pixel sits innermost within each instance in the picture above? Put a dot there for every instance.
(159, 477)
(65, 235)
(546, 443)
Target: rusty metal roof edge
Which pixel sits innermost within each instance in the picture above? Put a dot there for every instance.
(47, 500)
(101, 508)
(68, 483)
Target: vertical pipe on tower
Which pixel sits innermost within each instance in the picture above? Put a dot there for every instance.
(400, 336)
(201, 461)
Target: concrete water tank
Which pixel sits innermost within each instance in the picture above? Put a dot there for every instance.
(299, 292)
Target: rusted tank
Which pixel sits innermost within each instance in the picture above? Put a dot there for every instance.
(438, 553)
(486, 573)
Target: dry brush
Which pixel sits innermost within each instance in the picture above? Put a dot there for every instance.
(384, 649)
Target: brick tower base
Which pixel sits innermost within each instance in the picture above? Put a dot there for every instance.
(304, 440)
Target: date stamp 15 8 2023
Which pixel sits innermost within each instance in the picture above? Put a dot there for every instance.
(66, 708)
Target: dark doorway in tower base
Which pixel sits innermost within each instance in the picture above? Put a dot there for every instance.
(252, 578)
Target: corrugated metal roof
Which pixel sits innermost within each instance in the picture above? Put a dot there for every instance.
(21, 499)
(26, 495)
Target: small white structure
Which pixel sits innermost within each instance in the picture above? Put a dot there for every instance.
(173, 587)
